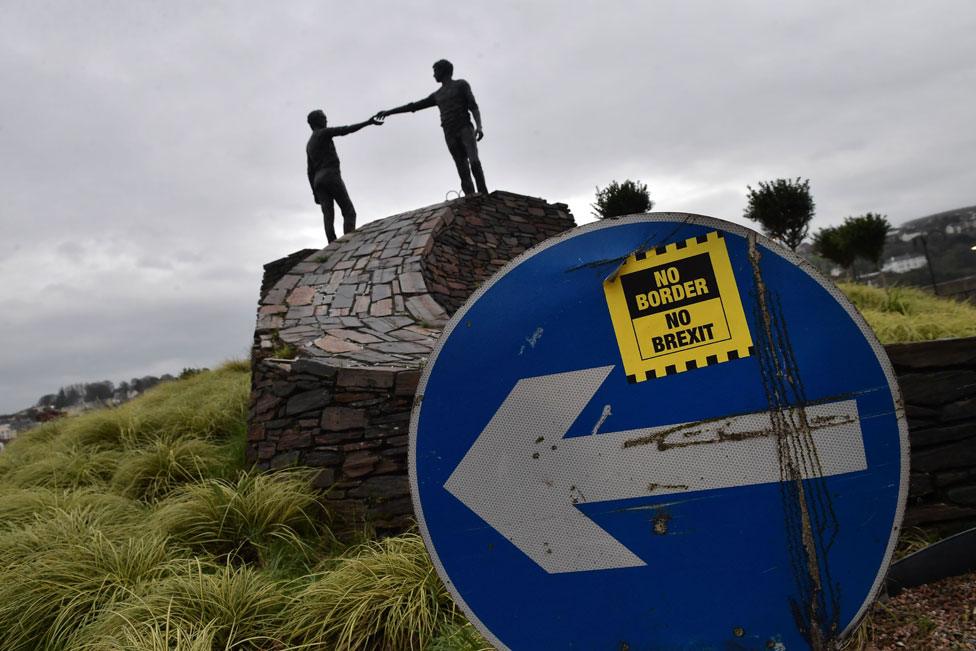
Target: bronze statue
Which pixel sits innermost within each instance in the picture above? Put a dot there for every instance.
(323, 172)
(455, 101)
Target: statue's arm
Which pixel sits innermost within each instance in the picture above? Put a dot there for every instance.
(473, 107)
(412, 107)
(352, 128)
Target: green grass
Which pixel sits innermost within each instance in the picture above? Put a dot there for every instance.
(381, 595)
(249, 519)
(139, 527)
(903, 314)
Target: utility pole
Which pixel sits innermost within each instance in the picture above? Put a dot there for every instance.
(928, 261)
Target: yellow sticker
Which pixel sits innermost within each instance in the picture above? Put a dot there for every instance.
(677, 308)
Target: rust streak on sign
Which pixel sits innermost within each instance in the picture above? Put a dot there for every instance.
(691, 430)
(809, 516)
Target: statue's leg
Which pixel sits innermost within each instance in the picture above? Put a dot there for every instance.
(460, 156)
(328, 216)
(471, 150)
(341, 196)
(323, 193)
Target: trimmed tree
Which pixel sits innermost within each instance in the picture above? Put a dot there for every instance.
(783, 209)
(867, 234)
(624, 198)
(834, 244)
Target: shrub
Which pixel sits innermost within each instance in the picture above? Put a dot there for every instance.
(56, 574)
(381, 595)
(20, 507)
(224, 606)
(66, 467)
(247, 519)
(151, 472)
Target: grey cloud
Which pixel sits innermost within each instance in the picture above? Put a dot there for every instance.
(147, 147)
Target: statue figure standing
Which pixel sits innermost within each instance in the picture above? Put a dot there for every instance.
(455, 101)
(324, 175)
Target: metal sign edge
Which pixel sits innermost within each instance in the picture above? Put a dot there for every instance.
(687, 218)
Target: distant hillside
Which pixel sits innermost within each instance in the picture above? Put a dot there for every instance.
(940, 221)
(78, 398)
(948, 238)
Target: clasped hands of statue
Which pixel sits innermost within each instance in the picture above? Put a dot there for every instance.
(382, 115)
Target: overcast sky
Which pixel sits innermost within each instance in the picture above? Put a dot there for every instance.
(152, 154)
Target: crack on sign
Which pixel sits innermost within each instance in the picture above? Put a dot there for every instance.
(809, 518)
(604, 415)
(619, 261)
(532, 340)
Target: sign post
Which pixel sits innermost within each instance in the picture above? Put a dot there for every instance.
(659, 432)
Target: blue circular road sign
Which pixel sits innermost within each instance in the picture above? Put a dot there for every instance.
(659, 432)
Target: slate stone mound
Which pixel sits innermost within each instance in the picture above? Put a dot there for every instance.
(343, 333)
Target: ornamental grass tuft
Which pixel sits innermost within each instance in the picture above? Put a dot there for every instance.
(380, 595)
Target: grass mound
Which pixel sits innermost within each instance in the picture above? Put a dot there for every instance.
(903, 314)
(139, 527)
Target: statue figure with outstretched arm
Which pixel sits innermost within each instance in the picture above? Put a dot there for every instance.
(324, 175)
(456, 102)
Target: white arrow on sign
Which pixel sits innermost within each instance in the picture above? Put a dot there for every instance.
(523, 478)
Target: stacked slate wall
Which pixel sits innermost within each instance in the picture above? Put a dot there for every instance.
(938, 382)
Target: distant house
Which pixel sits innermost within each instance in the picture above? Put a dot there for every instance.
(899, 264)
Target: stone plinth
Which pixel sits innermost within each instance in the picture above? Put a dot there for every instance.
(343, 333)
(938, 383)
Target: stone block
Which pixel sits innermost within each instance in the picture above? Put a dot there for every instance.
(965, 495)
(301, 296)
(940, 353)
(282, 389)
(294, 440)
(314, 367)
(323, 457)
(307, 401)
(266, 403)
(324, 478)
(940, 388)
(938, 512)
(960, 454)
(255, 432)
(265, 451)
(286, 460)
(920, 484)
(336, 419)
(959, 410)
(359, 464)
(383, 487)
(952, 477)
(406, 382)
(332, 344)
(938, 435)
(376, 377)
(336, 438)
